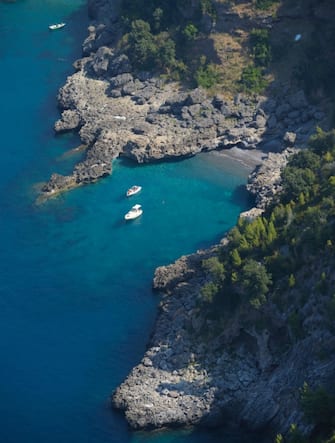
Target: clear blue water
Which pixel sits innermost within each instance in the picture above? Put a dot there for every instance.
(76, 306)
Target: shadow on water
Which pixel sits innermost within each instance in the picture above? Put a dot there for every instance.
(129, 163)
(241, 195)
(198, 435)
(120, 222)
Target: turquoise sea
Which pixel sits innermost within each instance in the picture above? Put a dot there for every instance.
(76, 306)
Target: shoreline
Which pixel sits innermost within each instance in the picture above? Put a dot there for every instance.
(148, 120)
(182, 380)
(250, 159)
(240, 162)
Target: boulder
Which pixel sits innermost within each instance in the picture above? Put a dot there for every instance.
(70, 120)
(101, 61)
(290, 138)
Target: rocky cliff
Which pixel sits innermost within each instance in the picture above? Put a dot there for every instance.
(198, 371)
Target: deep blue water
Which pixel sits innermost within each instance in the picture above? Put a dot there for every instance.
(76, 306)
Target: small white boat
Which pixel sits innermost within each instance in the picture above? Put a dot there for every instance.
(133, 190)
(135, 212)
(56, 26)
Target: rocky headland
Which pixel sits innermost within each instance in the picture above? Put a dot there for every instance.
(194, 371)
(150, 120)
(146, 119)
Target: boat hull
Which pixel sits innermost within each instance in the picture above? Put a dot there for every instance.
(130, 216)
(133, 190)
(56, 26)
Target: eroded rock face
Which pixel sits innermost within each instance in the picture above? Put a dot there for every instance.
(58, 183)
(197, 371)
(265, 181)
(118, 113)
(147, 120)
(70, 121)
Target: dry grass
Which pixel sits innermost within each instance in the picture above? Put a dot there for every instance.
(229, 41)
(247, 9)
(233, 57)
(227, 47)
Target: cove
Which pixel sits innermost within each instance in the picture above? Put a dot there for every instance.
(76, 305)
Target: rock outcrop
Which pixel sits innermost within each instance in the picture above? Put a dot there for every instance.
(149, 121)
(265, 181)
(200, 371)
(118, 113)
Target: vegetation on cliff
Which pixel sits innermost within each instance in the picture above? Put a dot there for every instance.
(176, 39)
(232, 46)
(294, 231)
(158, 37)
(318, 407)
(283, 259)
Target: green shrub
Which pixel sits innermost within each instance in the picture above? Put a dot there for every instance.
(141, 48)
(165, 55)
(190, 32)
(322, 284)
(157, 18)
(215, 268)
(305, 159)
(291, 281)
(252, 79)
(295, 435)
(207, 7)
(208, 292)
(236, 258)
(259, 40)
(148, 51)
(279, 439)
(264, 4)
(331, 439)
(207, 75)
(322, 142)
(318, 406)
(297, 181)
(255, 280)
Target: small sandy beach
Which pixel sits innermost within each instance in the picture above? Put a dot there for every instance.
(249, 158)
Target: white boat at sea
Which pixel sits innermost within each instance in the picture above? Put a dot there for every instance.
(56, 26)
(134, 212)
(133, 190)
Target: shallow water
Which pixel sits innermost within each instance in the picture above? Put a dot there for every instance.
(76, 306)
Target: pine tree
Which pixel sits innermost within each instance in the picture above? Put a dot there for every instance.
(236, 258)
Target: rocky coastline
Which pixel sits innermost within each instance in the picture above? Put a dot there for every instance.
(149, 121)
(192, 375)
(146, 119)
(186, 377)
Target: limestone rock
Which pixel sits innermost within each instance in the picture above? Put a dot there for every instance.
(70, 120)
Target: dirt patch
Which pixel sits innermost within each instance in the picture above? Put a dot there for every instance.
(233, 57)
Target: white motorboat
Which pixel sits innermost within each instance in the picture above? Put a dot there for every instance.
(56, 26)
(133, 190)
(135, 212)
